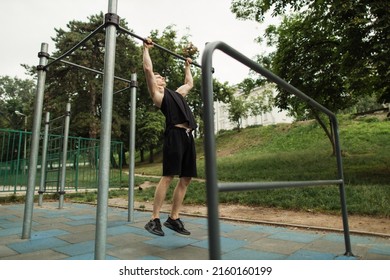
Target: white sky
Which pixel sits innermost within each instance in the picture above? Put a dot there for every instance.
(27, 23)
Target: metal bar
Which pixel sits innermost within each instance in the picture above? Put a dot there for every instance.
(210, 151)
(248, 186)
(122, 90)
(132, 109)
(88, 69)
(105, 137)
(343, 201)
(44, 159)
(157, 46)
(64, 156)
(29, 203)
(76, 46)
(210, 161)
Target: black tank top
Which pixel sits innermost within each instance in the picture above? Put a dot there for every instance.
(176, 110)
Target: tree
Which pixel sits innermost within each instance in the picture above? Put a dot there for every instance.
(249, 101)
(16, 95)
(150, 130)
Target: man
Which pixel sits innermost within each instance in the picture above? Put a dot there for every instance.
(179, 156)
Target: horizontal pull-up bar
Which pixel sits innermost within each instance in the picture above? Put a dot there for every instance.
(157, 46)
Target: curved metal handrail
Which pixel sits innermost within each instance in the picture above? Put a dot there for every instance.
(213, 187)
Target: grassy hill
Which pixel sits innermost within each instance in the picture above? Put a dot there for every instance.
(301, 151)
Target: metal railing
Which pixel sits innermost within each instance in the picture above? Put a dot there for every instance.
(212, 184)
(81, 163)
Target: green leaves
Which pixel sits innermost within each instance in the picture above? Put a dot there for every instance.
(334, 51)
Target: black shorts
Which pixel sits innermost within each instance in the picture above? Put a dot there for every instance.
(179, 155)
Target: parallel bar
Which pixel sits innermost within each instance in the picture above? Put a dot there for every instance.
(157, 46)
(210, 150)
(105, 138)
(34, 150)
(76, 46)
(248, 186)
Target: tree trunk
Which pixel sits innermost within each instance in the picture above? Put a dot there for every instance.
(328, 132)
(151, 155)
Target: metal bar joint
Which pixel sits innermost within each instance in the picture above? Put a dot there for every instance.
(134, 84)
(111, 18)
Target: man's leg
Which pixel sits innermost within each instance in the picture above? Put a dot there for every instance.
(178, 196)
(173, 222)
(159, 195)
(154, 225)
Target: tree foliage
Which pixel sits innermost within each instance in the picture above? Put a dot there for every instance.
(16, 95)
(335, 51)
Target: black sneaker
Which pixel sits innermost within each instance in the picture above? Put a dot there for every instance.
(154, 227)
(176, 225)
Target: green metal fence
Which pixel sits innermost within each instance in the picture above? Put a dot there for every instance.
(81, 165)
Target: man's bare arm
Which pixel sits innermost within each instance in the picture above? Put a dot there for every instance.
(156, 92)
(188, 80)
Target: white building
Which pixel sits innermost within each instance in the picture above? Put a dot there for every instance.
(221, 117)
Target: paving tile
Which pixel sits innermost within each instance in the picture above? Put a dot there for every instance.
(11, 231)
(37, 244)
(89, 256)
(185, 253)
(247, 254)
(227, 244)
(383, 250)
(79, 237)
(277, 246)
(171, 242)
(47, 233)
(77, 248)
(296, 236)
(47, 254)
(69, 233)
(266, 229)
(311, 255)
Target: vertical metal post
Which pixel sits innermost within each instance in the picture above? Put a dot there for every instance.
(32, 170)
(105, 137)
(343, 200)
(64, 156)
(133, 93)
(44, 158)
(210, 159)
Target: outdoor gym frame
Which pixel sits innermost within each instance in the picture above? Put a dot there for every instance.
(111, 26)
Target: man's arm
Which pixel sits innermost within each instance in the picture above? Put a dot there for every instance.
(188, 80)
(156, 92)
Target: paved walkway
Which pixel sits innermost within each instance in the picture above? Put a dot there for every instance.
(69, 234)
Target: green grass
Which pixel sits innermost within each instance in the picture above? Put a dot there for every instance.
(301, 151)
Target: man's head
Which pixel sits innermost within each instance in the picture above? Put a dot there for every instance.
(160, 79)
